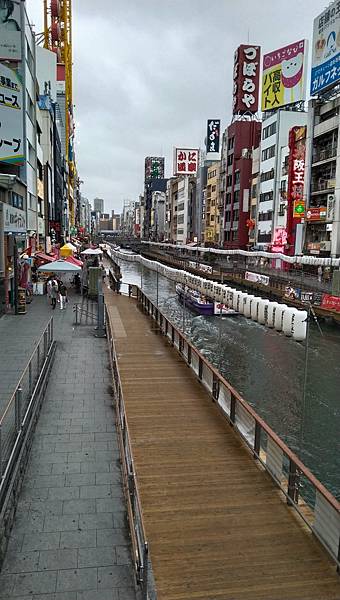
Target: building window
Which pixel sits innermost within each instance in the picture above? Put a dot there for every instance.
(283, 186)
(266, 197)
(269, 130)
(230, 160)
(236, 196)
(267, 175)
(17, 201)
(268, 153)
(213, 188)
(236, 215)
(228, 216)
(229, 181)
(254, 190)
(231, 143)
(237, 177)
(228, 198)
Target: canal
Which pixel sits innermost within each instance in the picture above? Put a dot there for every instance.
(268, 370)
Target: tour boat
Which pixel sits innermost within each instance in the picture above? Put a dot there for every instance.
(201, 304)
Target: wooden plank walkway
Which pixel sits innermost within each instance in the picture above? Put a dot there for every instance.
(216, 524)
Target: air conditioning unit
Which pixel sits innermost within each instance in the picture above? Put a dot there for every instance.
(325, 246)
(245, 153)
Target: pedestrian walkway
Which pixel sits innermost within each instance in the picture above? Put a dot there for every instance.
(70, 538)
(217, 526)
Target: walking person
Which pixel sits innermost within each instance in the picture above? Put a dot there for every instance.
(53, 292)
(319, 273)
(62, 295)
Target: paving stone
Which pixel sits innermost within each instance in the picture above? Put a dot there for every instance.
(112, 537)
(96, 557)
(95, 467)
(110, 505)
(78, 539)
(81, 479)
(96, 521)
(73, 507)
(49, 481)
(40, 541)
(64, 493)
(46, 507)
(99, 595)
(65, 468)
(20, 562)
(61, 523)
(107, 478)
(95, 491)
(115, 576)
(35, 583)
(31, 522)
(77, 580)
(58, 559)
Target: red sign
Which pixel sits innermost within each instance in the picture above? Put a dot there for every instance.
(316, 214)
(246, 79)
(330, 302)
(296, 181)
(185, 161)
(280, 239)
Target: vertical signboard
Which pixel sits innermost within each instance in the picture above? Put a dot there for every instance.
(283, 78)
(154, 167)
(296, 180)
(326, 49)
(213, 136)
(185, 161)
(10, 30)
(11, 117)
(246, 79)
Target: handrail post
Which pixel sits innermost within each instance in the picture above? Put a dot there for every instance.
(232, 409)
(45, 344)
(145, 571)
(18, 401)
(293, 480)
(52, 332)
(38, 358)
(200, 368)
(257, 439)
(30, 378)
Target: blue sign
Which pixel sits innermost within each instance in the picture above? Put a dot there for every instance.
(326, 50)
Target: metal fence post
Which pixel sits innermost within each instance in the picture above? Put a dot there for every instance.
(30, 378)
(18, 401)
(45, 344)
(293, 481)
(38, 358)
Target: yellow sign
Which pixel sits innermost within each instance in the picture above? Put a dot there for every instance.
(283, 78)
(299, 209)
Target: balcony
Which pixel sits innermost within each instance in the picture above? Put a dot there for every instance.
(264, 238)
(323, 154)
(323, 186)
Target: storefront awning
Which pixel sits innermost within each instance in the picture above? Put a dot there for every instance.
(44, 257)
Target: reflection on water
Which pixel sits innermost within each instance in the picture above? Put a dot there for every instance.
(267, 369)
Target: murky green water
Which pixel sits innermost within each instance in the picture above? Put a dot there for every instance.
(267, 369)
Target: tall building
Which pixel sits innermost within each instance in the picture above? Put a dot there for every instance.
(272, 206)
(98, 205)
(153, 182)
(211, 232)
(236, 169)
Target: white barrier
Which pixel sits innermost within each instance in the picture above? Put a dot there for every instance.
(291, 321)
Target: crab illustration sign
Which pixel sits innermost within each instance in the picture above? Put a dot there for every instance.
(283, 78)
(326, 49)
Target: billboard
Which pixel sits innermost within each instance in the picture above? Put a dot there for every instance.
(283, 76)
(10, 30)
(185, 161)
(326, 49)
(246, 79)
(213, 136)
(154, 167)
(11, 117)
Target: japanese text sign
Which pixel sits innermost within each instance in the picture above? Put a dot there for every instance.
(318, 213)
(154, 167)
(246, 79)
(213, 136)
(185, 161)
(326, 49)
(280, 239)
(283, 77)
(296, 172)
(10, 30)
(11, 117)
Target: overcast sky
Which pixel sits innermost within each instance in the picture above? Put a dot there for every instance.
(148, 73)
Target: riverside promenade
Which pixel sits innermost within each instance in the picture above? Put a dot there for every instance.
(70, 538)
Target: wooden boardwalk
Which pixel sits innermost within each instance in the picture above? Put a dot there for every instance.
(217, 526)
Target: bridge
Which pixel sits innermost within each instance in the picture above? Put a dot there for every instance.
(213, 493)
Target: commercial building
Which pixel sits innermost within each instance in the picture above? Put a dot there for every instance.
(254, 191)
(238, 142)
(98, 205)
(154, 181)
(157, 225)
(272, 206)
(211, 233)
(322, 177)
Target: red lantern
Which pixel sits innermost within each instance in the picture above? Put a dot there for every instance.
(55, 8)
(55, 31)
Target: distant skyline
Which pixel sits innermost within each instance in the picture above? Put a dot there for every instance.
(148, 75)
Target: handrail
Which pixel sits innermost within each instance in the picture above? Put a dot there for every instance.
(48, 330)
(242, 416)
(135, 511)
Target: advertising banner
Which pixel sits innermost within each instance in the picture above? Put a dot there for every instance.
(318, 213)
(14, 220)
(296, 182)
(213, 136)
(246, 79)
(280, 239)
(326, 49)
(185, 161)
(200, 267)
(257, 278)
(283, 77)
(11, 117)
(330, 302)
(10, 30)
(154, 167)
(221, 309)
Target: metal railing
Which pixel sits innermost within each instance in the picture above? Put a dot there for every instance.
(138, 536)
(296, 482)
(16, 416)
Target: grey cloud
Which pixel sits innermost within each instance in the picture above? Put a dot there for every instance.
(148, 73)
